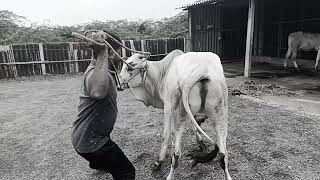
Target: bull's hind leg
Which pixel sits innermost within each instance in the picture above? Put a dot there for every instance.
(221, 128)
(177, 149)
(287, 57)
(294, 59)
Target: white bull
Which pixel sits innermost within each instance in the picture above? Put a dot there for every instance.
(190, 87)
(302, 41)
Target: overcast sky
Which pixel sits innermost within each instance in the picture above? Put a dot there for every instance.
(70, 12)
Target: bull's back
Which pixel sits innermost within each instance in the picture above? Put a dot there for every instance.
(304, 41)
(207, 62)
(212, 89)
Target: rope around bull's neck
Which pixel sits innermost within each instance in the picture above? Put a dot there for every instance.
(84, 37)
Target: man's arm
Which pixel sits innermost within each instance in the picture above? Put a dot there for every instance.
(97, 81)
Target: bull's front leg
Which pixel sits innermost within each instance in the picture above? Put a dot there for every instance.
(294, 59)
(317, 60)
(166, 137)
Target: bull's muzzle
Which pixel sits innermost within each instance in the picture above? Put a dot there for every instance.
(124, 85)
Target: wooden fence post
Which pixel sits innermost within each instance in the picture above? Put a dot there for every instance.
(143, 45)
(43, 66)
(75, 55)
(187, 45)
(70, 57)
(132, 46)
(123, 49)
(190, 28)
(12, 60)
(5, 59)
(166, 47)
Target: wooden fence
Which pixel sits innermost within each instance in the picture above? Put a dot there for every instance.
(67, 58)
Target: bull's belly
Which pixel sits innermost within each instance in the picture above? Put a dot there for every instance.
(309, 45)
(309, 48)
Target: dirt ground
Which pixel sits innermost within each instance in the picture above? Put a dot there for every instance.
(265, 141)
(305, 82)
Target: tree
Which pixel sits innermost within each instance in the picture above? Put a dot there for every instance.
(9, 25)
(13, 29)
(174, 27)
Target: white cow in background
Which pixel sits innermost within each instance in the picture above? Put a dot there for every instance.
(302, 41)
(191, 88)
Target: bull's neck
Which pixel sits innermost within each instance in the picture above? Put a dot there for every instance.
(154, 78)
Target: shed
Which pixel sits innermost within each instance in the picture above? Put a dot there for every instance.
(238, 29)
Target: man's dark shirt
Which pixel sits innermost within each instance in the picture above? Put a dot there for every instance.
(96, 117)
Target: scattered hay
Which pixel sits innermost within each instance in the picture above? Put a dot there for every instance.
(251, 88)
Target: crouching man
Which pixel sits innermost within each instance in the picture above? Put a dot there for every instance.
(97, 113)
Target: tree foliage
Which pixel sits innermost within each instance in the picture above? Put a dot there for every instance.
(13, 29)
(174, 27)
(9, 25)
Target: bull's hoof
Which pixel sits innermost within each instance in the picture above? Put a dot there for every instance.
(156, 166)
(285, 66)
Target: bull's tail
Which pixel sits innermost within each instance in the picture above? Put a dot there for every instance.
(196, 76)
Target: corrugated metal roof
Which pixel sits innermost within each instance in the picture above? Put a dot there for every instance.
(200, 2)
